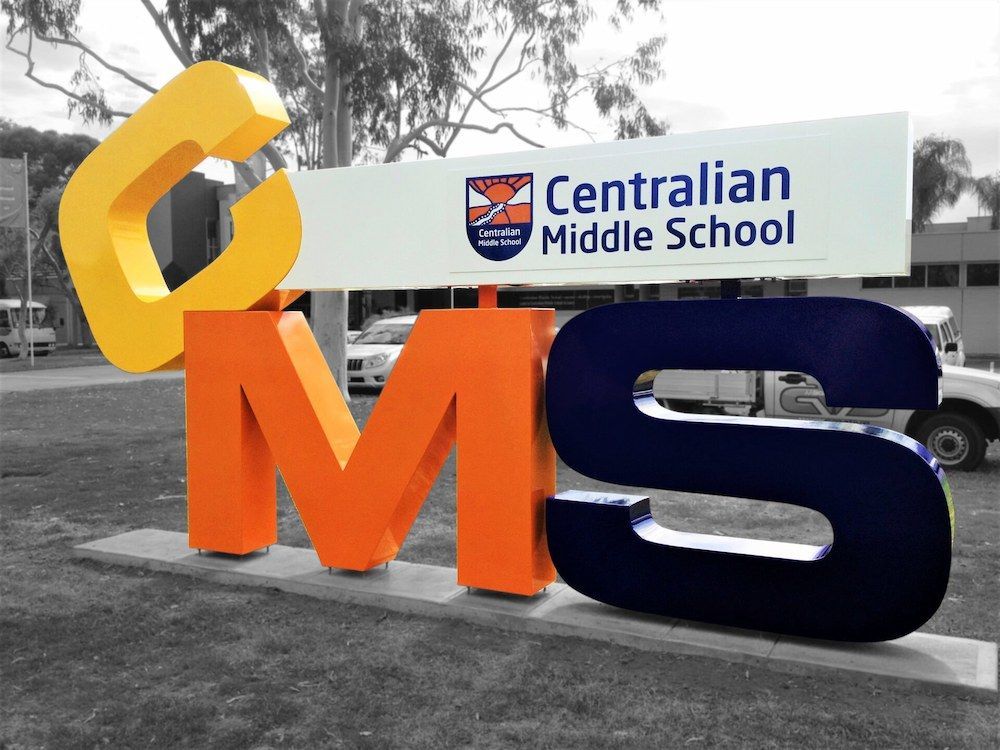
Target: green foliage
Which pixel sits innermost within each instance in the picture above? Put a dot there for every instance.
(940, 176)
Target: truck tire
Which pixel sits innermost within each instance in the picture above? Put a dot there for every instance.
(956, 441)
(4, 350)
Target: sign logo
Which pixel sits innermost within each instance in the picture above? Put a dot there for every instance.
(498, 214)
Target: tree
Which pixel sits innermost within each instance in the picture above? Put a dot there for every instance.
(52, 157)
(374, 80)
(940, 176)
(987, 192)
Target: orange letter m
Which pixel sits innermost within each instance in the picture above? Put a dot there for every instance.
(260, 395)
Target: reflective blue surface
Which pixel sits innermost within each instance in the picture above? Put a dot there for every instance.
(885, 497)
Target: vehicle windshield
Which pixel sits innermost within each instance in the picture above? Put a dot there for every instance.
(935, 334)
(39, 316)
(385, 333)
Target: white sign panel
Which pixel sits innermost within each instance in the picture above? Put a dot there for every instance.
(825, 198)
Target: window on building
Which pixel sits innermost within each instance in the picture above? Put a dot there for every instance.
(796, 287)
(876, 282)
(697, 291)
(211, 239)
(942, 274)
(630, 292)
(917, 278)
(982, 274)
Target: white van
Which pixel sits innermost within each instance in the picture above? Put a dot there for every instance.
(940, 321)
(10, 339)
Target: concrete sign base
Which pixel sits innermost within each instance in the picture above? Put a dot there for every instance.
(932, 662)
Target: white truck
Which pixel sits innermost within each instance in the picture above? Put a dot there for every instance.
(940, 324)
(956, 433)
(44, 334)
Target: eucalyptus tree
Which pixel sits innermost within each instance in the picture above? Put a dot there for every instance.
(380, 80)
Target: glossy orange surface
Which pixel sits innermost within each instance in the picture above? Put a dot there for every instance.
(260, 395)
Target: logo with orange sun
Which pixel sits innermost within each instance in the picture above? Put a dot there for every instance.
(498, 214)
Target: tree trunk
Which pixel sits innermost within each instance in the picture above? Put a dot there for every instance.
(329, 309)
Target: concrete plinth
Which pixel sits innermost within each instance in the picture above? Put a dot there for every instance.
(924, 660)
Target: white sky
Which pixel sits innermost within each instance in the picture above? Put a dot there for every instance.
(727, 64)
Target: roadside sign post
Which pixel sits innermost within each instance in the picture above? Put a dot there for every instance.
(13, 201)
(27, 253)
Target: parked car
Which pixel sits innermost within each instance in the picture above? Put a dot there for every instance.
(352, 335)
(44, 334)
(373, 354)
(940, 323)
(957, 432)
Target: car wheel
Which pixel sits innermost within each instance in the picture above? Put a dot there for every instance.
(956, 441)
(4, 351)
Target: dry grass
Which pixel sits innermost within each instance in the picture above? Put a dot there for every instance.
(93, 655)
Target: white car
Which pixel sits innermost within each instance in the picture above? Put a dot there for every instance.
(373, 354)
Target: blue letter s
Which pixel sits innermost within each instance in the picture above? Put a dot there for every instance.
(886, 498)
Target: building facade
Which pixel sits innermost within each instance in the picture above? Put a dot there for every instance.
(956, 265)
(184, 227)
(952, 264)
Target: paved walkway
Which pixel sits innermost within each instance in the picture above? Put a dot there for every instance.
(74, 377)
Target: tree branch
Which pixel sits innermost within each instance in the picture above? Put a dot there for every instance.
(273, 156)
(523, 62)
(541, 111)
(503, 51)
(30, 75)
(182, 47)
(75, 42)
(440, 151)
(394, 150)
(489, 76)
(263, 44)
(303, 64)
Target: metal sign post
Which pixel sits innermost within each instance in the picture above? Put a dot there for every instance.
(27, 252)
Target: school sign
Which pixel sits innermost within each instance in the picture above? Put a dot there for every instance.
(810, 199)
(826, 198)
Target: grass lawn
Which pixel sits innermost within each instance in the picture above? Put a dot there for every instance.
(58, 359)
(95, 655)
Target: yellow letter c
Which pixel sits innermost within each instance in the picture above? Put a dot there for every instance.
(210, 109)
